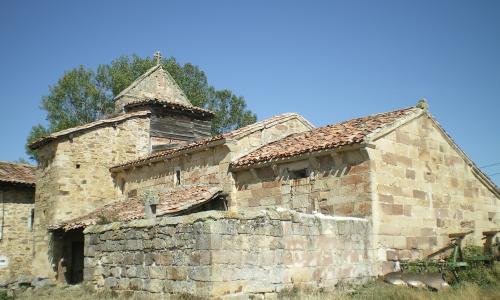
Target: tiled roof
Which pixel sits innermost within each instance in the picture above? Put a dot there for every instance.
(103, 122)
(169, 203)
(203, 142)
(171, 105)
(345, 133)
(17, 173)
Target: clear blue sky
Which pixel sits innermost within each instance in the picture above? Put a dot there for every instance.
(329, 61)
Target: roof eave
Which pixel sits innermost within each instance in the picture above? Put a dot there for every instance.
(302, 156)
(201, 147)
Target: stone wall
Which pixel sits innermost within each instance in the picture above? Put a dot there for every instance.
(204, 166)
(336, 183)
(201, 167)
(221, 253)
(16, 244)
(424, 190)
(73, 176)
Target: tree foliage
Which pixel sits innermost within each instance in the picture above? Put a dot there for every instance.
(83, 95)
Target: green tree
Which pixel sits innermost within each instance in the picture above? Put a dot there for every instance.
(83, 95)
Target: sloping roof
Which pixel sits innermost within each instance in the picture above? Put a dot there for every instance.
(156, 83)
(17, 173)
(346, 133)
(179, 107)
(172, 202)
(235, 134)
(91, 125)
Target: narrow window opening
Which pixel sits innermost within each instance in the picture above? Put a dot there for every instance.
(122, 186)
(77, 166)
(31, 220)
(177, 177)
(153, 209)
(297, 174)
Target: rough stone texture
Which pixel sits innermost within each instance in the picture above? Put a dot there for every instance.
(425, 187)
(16, 244)
(207, 166)
(212, 254)
(156, 83)
(73, 177)
(336, 184)
(413, 185)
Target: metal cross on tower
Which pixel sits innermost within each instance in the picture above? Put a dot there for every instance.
(158, 57)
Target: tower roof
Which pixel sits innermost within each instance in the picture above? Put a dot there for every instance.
(157, 84)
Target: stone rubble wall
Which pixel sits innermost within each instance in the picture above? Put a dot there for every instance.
(16, 244)
(213, 254)
(425, 187)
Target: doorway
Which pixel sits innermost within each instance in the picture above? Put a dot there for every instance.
(69, 255)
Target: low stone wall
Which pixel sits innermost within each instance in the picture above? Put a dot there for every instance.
(212, 254)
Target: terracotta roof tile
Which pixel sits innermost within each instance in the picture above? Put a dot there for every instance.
(17, 173)
(332, 136)
(203, 142)
(132, 209)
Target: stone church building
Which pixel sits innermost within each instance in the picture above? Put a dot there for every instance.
(146, 201)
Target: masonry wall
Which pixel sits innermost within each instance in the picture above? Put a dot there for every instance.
(337, 184)
(425, 191)
(206, 166)
(73, 177)
(212, 254)
(16, 244)
(202, 167)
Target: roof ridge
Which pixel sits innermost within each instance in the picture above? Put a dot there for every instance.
(370, 116)
(16, 163)
(61, 133)
(137, 81)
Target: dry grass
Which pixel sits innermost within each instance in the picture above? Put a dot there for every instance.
(382, 291)
(375, 291)
(479, 284)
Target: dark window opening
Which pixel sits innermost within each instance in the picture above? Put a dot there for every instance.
(177, 177)
(122, 186)
(32, 219)
(77, 166)
(153, 209)
(218, 203)
(297, 174)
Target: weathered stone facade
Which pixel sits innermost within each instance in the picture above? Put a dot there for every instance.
(412, 175)
(16, 242)
(73, 178)
(337, 184)
(213, 254)
(302, 205)
(209, 165)
(426, 186)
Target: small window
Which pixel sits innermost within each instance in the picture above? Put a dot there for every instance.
(153, 209)
(122, 186)
(177, 177)
(297, 174)
(31, 220)
(77, 166)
